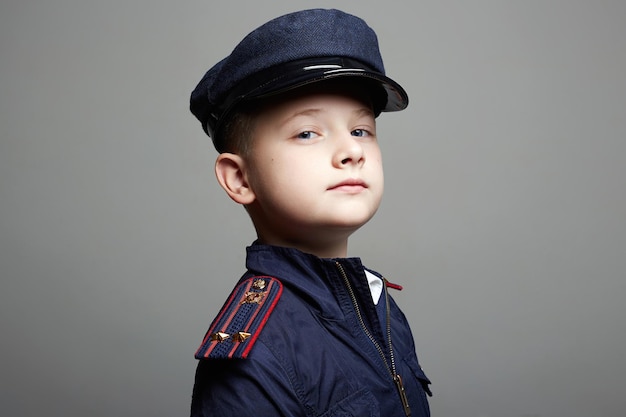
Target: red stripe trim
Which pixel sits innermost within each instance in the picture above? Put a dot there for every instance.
(234, 312)
(227, 306)
(251, 319)
(217, 320)
(265, 317)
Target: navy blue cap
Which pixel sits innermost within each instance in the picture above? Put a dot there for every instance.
(288, 52)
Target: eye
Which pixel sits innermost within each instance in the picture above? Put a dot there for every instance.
(307, 134)
(360, 132)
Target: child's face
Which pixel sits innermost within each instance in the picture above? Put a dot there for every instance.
(316, 168)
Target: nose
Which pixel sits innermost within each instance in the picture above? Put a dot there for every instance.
(349, 151)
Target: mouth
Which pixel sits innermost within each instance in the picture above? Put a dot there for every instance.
(351, 186)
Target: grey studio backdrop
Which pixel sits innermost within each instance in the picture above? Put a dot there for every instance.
(504, 212)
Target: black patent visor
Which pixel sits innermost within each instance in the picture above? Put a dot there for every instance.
(285, 77)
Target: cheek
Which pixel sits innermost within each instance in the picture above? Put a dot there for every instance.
(373, 152)
(271, 177)
(376, 162)
(377, 172)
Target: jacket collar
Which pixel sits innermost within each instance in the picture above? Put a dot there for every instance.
(316, 280)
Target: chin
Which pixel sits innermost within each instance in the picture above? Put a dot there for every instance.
(352, 222)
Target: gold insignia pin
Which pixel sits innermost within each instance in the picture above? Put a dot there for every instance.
(241, 336)
(219, 337)
(252, 297)
(259, 284)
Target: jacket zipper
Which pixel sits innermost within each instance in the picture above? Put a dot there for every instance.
(391, 368)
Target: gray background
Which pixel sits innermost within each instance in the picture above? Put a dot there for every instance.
(504, 213)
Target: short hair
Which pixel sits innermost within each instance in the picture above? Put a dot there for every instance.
(239, 130)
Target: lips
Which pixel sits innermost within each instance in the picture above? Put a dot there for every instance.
(350, 185)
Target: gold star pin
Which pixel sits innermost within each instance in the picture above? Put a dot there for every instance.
(241, 336)
(259, 284)
(219, 337)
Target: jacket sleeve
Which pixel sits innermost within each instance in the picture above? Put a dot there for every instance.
(256, 386)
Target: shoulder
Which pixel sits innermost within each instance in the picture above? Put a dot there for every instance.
(240, 321)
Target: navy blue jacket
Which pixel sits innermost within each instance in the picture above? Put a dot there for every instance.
(305, 351)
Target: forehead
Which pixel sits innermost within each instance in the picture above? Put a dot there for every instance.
(318, 96)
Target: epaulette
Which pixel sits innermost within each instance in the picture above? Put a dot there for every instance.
(240, 321)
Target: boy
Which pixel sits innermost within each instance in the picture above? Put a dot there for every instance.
(307, 331)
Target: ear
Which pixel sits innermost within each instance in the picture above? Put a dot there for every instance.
(230, 170)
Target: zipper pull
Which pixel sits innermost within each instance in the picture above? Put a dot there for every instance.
(405, 401)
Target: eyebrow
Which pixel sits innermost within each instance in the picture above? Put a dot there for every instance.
(305, 112)
(360, 112)
(364, 111)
